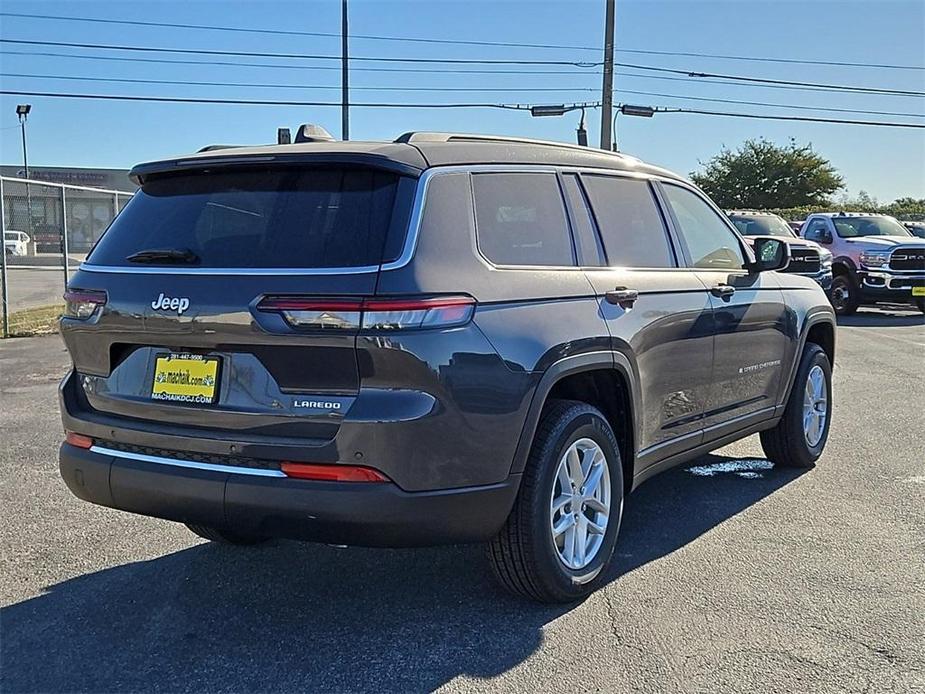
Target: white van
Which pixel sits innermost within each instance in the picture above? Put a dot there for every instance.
(15, 242)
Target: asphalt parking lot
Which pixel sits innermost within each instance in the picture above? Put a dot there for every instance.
(736, 577)
(31, 287)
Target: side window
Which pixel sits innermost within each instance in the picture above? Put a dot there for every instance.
(590, 251)
(630, 224)
(816, 230)
(711, 243)
(520, 219)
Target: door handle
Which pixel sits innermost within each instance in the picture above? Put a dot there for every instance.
(622, 297)
(723, 291)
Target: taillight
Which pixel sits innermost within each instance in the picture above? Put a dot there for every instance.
(332, 473)
(372, 314)
(82, 303)
(78, 440)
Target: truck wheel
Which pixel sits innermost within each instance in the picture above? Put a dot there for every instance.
(224, 536)
(800, 436)
(845, 295)
(560, 536)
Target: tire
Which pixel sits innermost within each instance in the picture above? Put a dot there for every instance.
(844, 295)
(789, 444)
(224, 536)
(525, 556)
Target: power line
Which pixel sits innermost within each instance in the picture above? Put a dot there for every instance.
(162, 61)
(561, 90)
(301, 56)
(458, 42)
(256, 102)
(512, 107)
(463, 61)
(790, 118)
(298, 86)
(765, 103)
(448, 71)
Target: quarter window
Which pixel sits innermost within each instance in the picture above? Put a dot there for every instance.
(631, 226)
(710, 241)
(520, 219)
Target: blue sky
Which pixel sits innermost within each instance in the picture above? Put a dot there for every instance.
(887, 163)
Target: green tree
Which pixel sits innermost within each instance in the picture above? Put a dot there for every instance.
(762, 175)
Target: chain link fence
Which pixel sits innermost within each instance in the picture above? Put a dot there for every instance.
(48, 229)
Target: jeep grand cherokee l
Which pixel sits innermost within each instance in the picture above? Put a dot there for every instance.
(446, 338)
(876, 259)
(806, 257)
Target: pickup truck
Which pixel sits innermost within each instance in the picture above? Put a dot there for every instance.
(807, 258)
(875, 259)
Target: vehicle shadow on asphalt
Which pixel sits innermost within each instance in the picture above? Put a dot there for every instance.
(884, 318)
(291, 616)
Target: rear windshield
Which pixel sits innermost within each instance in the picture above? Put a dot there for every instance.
(268, 218)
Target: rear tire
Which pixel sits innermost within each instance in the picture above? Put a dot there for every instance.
(573, 441)
(224, 536)
(844, 295)
(799, 438)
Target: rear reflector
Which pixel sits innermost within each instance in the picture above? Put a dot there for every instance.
(332, 473)
(78, 440)
(81, 303)
(372, 314)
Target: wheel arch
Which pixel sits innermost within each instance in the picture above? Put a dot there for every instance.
(818, 328)
(844, 265)
(603, 379)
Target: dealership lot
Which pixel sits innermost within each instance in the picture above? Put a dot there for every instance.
(734, 576)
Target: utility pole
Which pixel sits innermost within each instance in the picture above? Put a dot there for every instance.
(607, 87)
(345, 77)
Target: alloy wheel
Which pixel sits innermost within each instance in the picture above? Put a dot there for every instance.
(815, 406)
(580, 503)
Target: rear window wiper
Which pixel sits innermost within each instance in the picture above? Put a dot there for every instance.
(164, 255)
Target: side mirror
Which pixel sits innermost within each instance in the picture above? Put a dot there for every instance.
(770, 254)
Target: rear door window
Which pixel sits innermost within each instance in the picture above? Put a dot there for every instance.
(267, 218)
(520, 219)
(630, 224)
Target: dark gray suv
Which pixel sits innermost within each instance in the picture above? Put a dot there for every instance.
(441, 339)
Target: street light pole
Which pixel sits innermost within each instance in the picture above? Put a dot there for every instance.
(345, 77)
(4, 279)
(543, 110)
(22, 110)
(630, 110)
(607, 87)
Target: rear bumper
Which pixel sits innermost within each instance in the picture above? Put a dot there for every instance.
(367, 514)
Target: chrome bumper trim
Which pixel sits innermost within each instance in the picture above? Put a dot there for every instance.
(257, 472)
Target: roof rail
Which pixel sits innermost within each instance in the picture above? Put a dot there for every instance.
(212, 148)
(412, 137)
